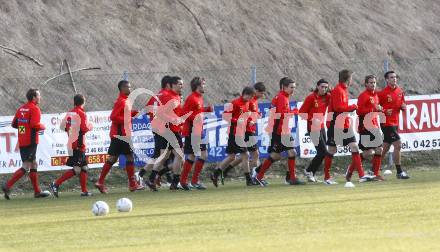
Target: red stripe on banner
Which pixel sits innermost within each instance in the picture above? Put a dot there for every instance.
(420, 116)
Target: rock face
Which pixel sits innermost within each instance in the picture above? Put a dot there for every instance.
(305, 39)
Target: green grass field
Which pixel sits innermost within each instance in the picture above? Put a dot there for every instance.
(382, 216)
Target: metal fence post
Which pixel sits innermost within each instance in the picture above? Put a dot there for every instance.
(253, 74)
(125, 76)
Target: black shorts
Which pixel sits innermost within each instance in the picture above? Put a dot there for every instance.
(188, 147)
(390, 134)
(277, 146)
(161, 143)
(28, 153)
(368, 135)
(233, 147)
(247, 136)
(331, 137)
(119, 147)
(78, 159)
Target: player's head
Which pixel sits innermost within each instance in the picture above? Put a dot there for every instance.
(260, 89)
(198, 85)
(287, 85)
(248, 93)
(346, 76)
(370, 82)
(79, 100)
(176, 84)
(33, 95)
(165, 82)
(321, 87)
(391, 78)
(124, 87)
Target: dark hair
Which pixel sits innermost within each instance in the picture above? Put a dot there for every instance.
(248, 91)
(345, 75)
(31, 93)
(388, 73)
(285, 82)
(121, 84)
(196, 82)
(165, 81)
(321, 81)
(368, 77)
(174, 80)
(78, 100)
(259, 86)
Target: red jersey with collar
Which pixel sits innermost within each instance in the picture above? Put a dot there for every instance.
(314, 104)
(194, 105)
(74, 117)
(27, 121)
(117, 117)
(367, 103)
(282, 108)
(239, 107)
(392, 99)
(153, 103)
(253, 107)
(171, 99)
(339, 104)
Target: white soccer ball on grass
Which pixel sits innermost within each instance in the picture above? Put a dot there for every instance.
(387, 172)
(100, 208)
(124, 205)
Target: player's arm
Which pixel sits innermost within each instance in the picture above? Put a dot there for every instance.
(35, 118)
(338, 103)
(85, 125)
(305, 108)
(362, 106)
(14, 123)
(117, 114)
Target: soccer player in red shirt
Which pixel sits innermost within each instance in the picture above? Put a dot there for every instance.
(168, 124)
(236, 114)
(370, 137)
(27, 121)
(392, 99)
(251, 130)
(119, 146)
(76, 125)
(282, 139)
(192, 131)
(340, 124)
(159, 142)
(313, 110)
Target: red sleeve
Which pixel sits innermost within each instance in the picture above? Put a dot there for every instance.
(228, 114)
(187, 107)
(338, 103)
(363, 105)
(305, 108)
(15, 122)
(282, 105)
(117, 114)
(84, 123)
(381, 99)
(207, 109)
(35, 119)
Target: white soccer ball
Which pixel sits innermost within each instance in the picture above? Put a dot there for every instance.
(387, 172)
(124, 205)
(100, 208)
